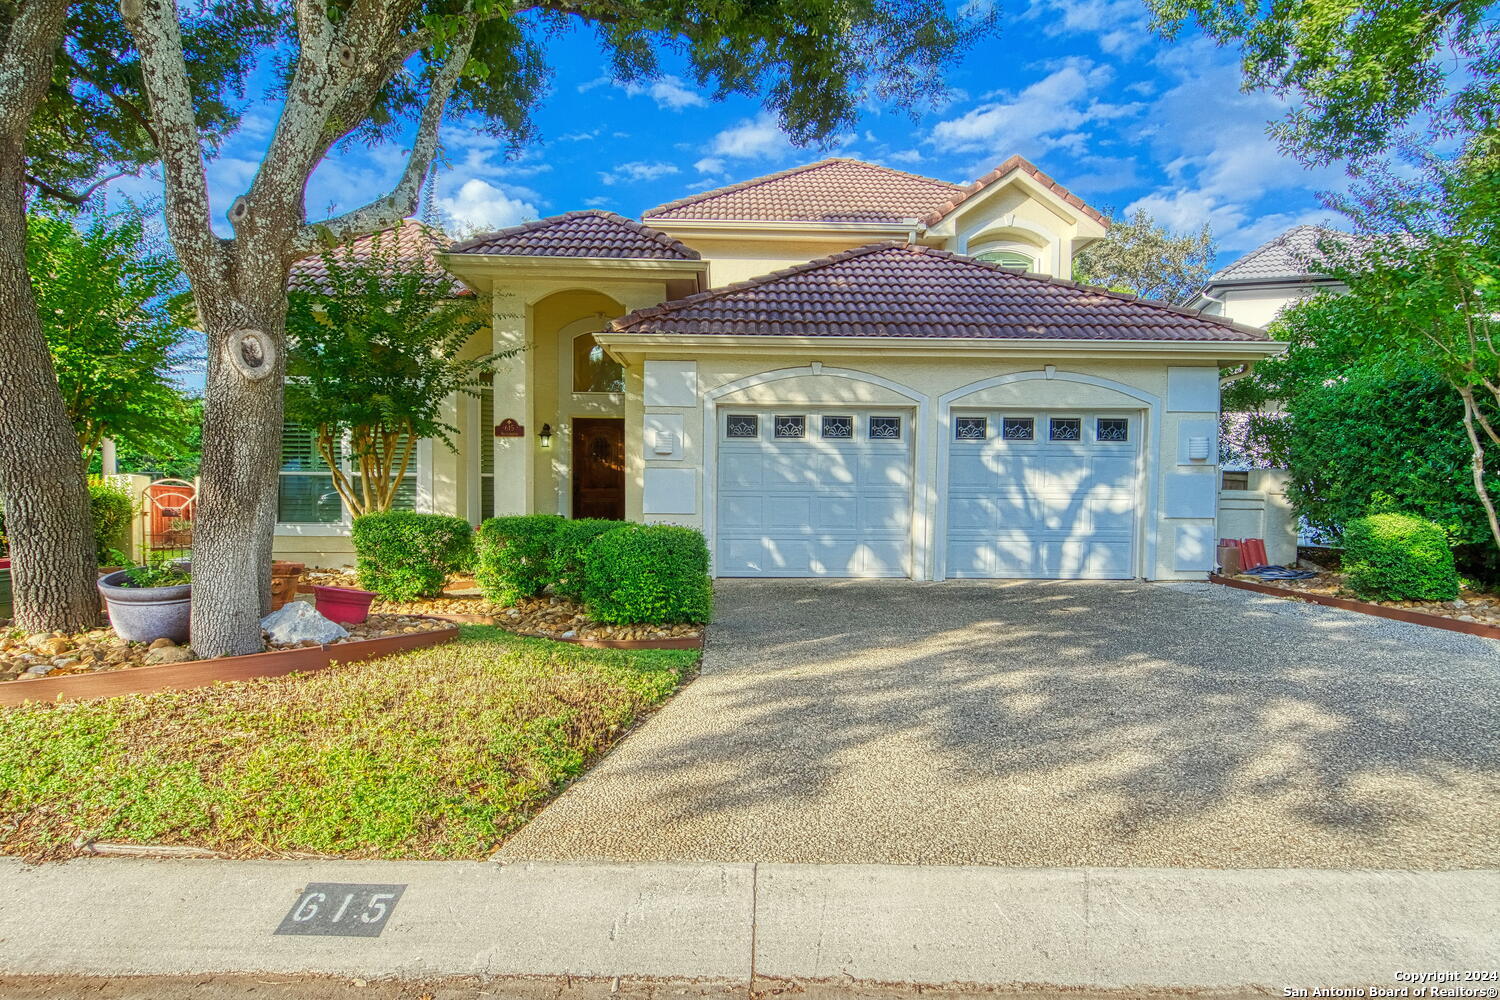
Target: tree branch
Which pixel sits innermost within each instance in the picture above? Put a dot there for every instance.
(402, 200)
(61, 194)
(127, 108)
(158, 37)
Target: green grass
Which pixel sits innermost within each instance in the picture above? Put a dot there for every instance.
(438, 753)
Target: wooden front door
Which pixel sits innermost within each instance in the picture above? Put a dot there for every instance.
(599, 467)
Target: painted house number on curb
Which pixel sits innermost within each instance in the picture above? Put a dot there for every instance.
(341, 909)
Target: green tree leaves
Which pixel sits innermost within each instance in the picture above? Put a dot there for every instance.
(1146, 259)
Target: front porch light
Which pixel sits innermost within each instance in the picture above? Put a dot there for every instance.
(545, 437)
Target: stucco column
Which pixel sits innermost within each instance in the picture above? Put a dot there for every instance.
(513, 401)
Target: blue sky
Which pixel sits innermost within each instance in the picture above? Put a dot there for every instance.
(1080, 87)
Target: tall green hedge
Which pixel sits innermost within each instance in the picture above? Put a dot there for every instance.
(402, 555)
(513, 556)
(648, 573)
(1397, 557)
(110, 508)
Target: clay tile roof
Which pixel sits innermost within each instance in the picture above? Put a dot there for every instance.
(1289, 255)
(1004, 170)
(413, 241)
(832, 190)
(580, 234)
(897, 290)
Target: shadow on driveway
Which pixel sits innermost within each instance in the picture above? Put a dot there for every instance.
(1053, 724)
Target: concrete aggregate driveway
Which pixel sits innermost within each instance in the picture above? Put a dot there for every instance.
(1053, 724)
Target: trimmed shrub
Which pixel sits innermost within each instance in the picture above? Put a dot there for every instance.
(402, 555)
(648, 574)
(513, 556)
(110, 509)
(566, 567)
(1397, 557)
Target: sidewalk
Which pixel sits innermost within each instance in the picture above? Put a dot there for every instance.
(1108, 928)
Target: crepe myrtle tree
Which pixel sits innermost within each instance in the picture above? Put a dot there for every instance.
(360, 70)
(375, 348)
(71, 117)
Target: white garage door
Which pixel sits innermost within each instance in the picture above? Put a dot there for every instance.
(814, 493)
(1038, 495)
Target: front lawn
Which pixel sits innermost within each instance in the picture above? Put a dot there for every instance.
(438, 753)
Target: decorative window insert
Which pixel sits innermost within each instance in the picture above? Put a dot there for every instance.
(742, 425)
(1112, 429)
(1018, 428)
(970, 428)
(593, 370)
(790, 427)
(885, 428)
(1065, 429)
(837, 427)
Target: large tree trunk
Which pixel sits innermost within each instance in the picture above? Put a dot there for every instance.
(53, 563)
(235, 523)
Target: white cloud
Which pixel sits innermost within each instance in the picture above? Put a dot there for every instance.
(637, 171)
(668, 92)
(1051, 113)
(749, 139)
(905, 156)
(1220, 164)
(1120, 27)
(479, 206)
(710, 165)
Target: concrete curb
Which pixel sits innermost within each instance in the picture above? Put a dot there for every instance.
(1102, 928)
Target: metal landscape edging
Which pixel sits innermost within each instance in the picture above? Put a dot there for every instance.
(1378, 610)
(201, 673)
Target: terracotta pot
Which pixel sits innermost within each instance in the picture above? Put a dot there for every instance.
(344, 605)
(284, 579)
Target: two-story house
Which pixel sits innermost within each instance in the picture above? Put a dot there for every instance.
(839, 370)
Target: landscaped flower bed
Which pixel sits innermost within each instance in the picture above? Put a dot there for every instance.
(26, 657)
(1469, 606)
(546, 617)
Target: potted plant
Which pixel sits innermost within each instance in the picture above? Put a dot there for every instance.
(345, 605)
(179, 533)
(285, 576)
(6, 608)
(149, 602)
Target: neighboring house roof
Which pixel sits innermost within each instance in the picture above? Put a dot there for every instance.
(901, 290)
(589, 233)
(413, 241)
(1004, 170)
(845, 190)
(1289, 255)
(832, 190)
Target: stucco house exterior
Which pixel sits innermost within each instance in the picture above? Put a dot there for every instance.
(839, 370)
(1256, 287)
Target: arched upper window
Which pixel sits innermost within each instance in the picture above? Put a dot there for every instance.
(593, 370)
(1007, 258)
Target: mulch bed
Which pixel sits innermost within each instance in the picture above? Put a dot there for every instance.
(31, 657)
(543, 617)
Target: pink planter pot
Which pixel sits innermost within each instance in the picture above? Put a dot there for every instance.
(344, 605)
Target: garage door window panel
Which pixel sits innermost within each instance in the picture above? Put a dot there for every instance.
(1065, 429)
(742, 426)
(1018, 429)
(1112, 430)
(790, 427)
(970, 428)
(885, 428)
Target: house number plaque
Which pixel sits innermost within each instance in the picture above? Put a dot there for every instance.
(341, 909)
(509, 428)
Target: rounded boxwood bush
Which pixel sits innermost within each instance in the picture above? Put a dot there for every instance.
(513, 556)
(648, 574)
(1397, 557)
(569, 544)
(403, 555)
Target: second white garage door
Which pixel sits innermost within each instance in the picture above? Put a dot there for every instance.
(814, 493)
(1042, 496)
